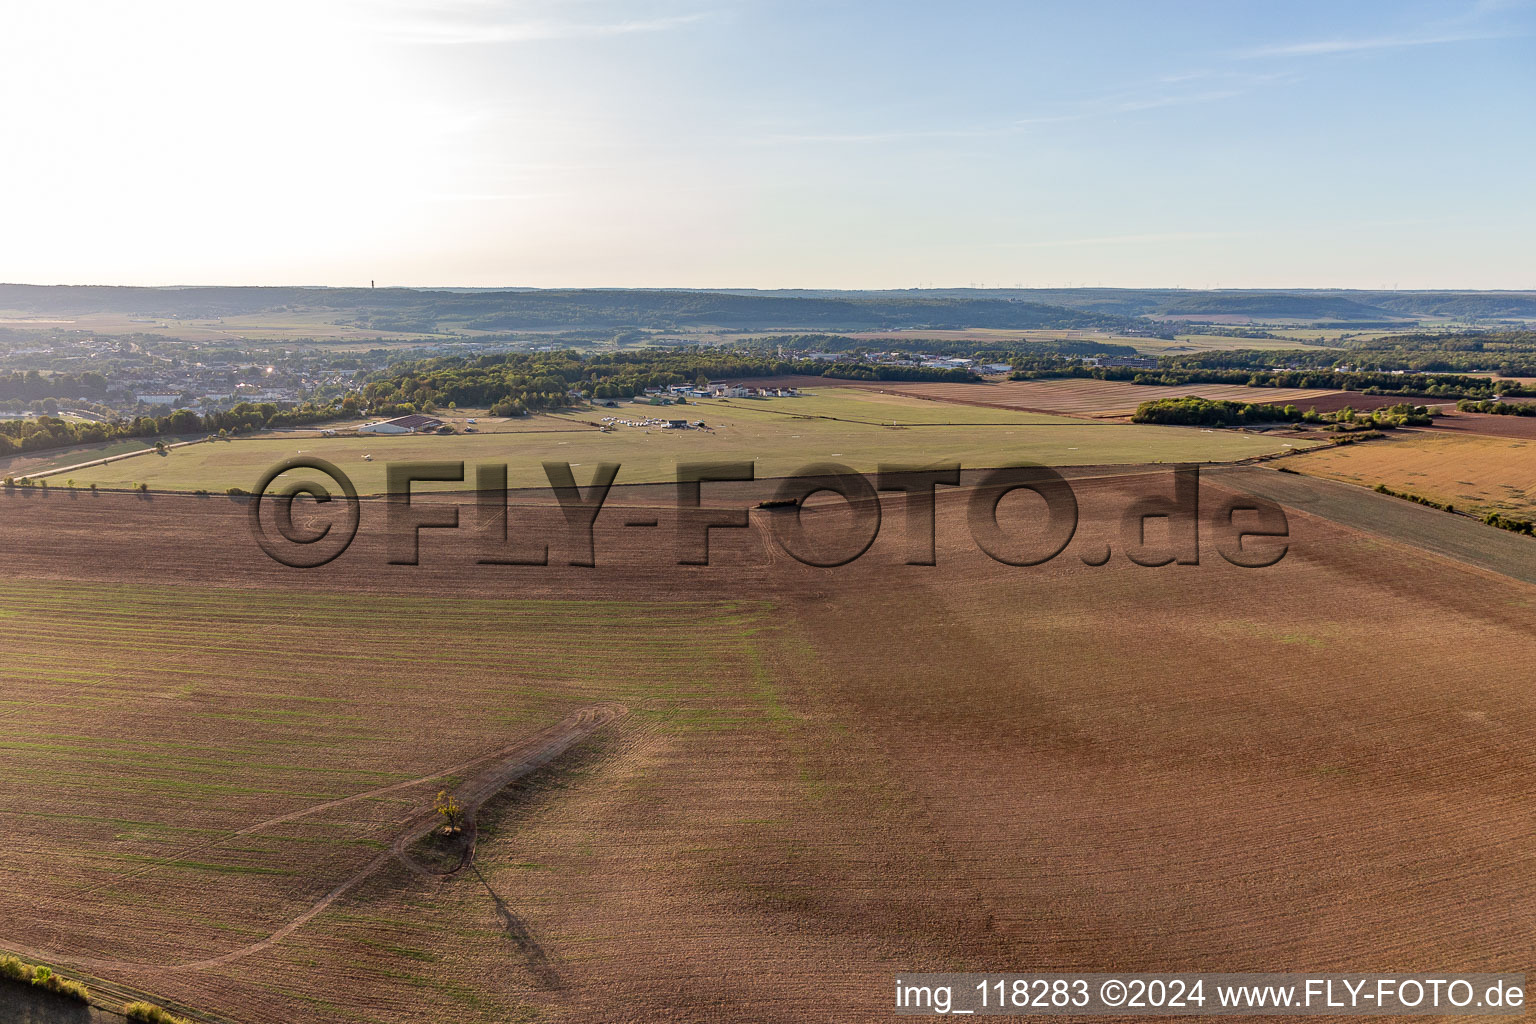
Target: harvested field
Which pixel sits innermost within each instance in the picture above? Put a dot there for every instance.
(1222, 808)
(1085, 397)
(187, 718)
(500, 771)
(825, 776)
(1474, 472)
(1488, 424)
(1361, 402)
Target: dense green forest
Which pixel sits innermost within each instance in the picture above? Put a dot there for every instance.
(1270, 304)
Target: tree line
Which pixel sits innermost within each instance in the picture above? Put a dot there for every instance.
(52, 432)
(1507, 353)
(32, 385)
(1498, 408)
(1205, 412)
(1375, 383)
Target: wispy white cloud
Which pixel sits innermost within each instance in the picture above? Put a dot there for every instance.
(480, 22)
(1132, 104)
(1155, 96)
(1494, 6)
(1145, 239)
(1159, 237)
(898, 135)
(1174, 78)
(1480, 20)
(1320, 47)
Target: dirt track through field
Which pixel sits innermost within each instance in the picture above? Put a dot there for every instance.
(507, 766)
(1456, 537)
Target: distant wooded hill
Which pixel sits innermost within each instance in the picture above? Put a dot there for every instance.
(1297, 303)
(413, 309)
(409, 309)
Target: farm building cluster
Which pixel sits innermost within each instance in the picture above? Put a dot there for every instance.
(721, 391)
(698, 392)
(421, 423)
(612, 422)
(415, 423)
(923, 359)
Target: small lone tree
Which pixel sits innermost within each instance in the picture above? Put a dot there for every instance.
(448, 807)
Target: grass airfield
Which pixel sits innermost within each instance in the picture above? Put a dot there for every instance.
(856, 427)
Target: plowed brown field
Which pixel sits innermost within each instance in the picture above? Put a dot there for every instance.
(1361, 402)
(825, 776)
(1095, 398)
(1490, 424)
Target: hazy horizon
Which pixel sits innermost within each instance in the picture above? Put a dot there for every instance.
(752, 288)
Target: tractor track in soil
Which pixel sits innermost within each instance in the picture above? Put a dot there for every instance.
(504, 767)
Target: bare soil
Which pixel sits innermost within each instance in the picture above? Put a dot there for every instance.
(827, 776)
(1097, 399)
(1489, 424)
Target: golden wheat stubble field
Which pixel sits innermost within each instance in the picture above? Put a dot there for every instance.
(1475, 472)
(824, 776)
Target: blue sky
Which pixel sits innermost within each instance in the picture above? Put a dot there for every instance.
(770, 143)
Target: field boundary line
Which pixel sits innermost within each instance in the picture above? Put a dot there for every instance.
(112, 458)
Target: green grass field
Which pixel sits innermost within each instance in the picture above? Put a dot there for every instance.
(54, 458)
(780, 435)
